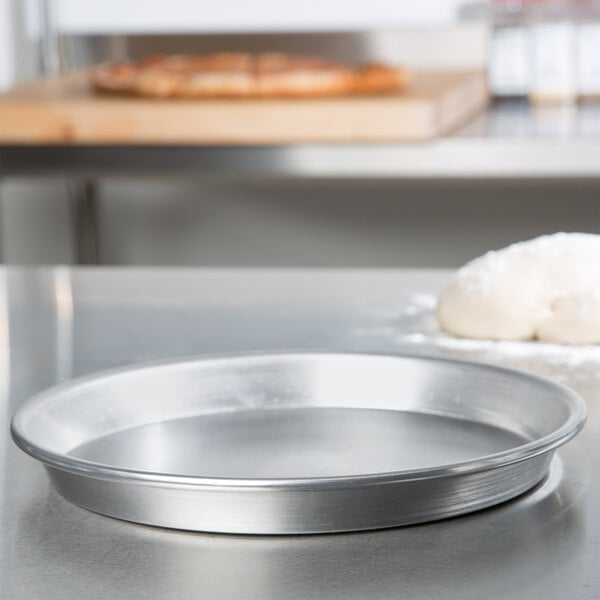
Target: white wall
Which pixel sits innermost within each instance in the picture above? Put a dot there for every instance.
(251, 15)
(7, 58)
(18, 51)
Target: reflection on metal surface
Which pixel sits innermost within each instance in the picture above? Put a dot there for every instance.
(63, 297)
(4, 339)
(4, 386)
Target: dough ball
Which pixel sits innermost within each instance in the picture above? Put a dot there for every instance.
(547, 288)
(574, 320)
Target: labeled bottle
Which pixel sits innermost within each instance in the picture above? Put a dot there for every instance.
(588, 49)
(509, 60)
(553, 52)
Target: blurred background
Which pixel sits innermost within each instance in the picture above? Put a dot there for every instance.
(525, 164)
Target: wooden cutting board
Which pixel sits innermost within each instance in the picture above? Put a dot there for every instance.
(67, 110)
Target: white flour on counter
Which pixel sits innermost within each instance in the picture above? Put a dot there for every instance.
(569, 364)
(414, 327)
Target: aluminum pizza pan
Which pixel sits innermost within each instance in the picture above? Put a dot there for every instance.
(298, 442)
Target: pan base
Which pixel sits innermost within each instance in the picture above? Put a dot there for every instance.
(306, 442)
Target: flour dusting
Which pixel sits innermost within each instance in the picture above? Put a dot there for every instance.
(415, 329)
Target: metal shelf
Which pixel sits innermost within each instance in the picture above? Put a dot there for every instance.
(511, 140)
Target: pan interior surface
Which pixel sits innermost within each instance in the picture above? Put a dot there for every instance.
(297, 442)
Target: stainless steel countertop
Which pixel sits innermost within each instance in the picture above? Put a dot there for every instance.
(59, 323)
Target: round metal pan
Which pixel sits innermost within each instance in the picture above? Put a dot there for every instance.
(297, 443)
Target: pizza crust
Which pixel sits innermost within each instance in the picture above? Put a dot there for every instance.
(238, 75)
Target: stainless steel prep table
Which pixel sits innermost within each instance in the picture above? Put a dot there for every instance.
(59, 323)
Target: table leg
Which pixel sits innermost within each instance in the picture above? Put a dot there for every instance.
(84, 212)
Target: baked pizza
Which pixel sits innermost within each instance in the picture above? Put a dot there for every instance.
(238, 75)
